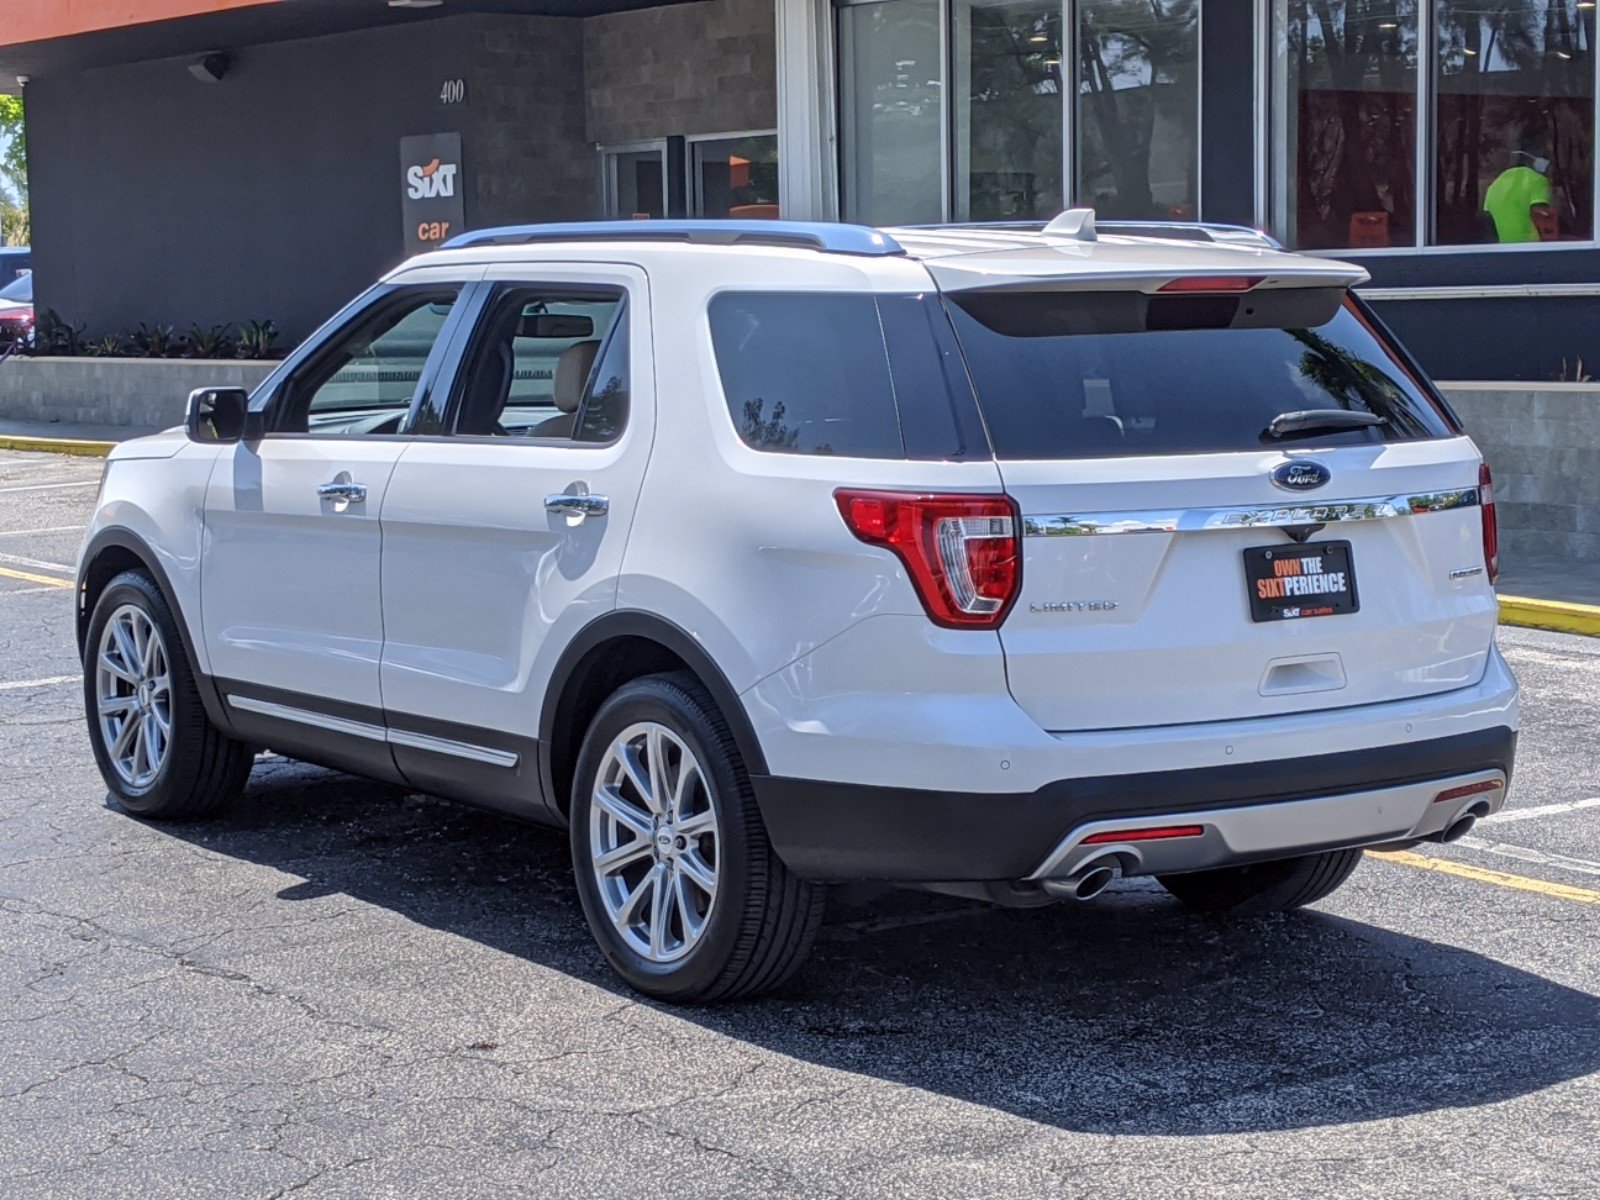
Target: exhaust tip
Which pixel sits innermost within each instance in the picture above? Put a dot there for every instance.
(1092, 882)
(1459, 828)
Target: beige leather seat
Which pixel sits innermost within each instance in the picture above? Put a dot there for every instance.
(572, 373)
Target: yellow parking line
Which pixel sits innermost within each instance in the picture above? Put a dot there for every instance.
(30, 577)
(1521, 883)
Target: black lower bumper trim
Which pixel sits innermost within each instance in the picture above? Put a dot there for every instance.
(849, 831)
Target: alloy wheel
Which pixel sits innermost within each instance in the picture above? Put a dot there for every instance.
(133, 696)
(653, 835)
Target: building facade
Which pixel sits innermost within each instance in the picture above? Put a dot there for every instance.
(226, 160)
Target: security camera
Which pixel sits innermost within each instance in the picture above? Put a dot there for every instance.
(210, 68)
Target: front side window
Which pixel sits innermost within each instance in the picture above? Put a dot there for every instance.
(1107, 375)
(530, 367)
(363, 382)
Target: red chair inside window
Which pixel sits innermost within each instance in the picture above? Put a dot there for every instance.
(1369, 230)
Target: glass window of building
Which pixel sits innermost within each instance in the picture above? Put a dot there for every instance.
(1346, 123)
(1008, 109)
(1514, 128)
(891, 111)
(736, 176)
(1138, 108)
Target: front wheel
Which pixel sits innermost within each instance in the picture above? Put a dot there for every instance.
(1263, 887)
(678, 881)
(156, 749)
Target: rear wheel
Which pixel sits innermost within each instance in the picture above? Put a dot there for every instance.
(678, 880)
(156, 748)
(1264, 887)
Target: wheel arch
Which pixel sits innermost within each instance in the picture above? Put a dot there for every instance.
(607, 653)
(113, 551)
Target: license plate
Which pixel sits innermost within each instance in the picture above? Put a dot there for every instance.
(1290, 582)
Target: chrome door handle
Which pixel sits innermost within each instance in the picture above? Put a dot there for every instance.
(350, 493)
(577, 506)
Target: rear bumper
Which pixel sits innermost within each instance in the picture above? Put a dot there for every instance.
(1249, 811)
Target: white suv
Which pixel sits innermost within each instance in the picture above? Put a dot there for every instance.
(995, 560)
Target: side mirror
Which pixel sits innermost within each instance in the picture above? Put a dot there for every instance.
(217, 416)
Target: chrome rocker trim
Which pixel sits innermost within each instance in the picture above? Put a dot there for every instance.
(1261, 832)
(1201, 520)
(376, 733)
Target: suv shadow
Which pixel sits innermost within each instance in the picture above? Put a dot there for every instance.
(1133, 1017)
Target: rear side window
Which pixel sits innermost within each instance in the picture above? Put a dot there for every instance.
(843, 374)
(1070, 375)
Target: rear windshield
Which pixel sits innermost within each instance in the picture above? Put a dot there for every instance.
(1065, 375)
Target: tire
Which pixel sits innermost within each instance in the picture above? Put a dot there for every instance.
(750, 930)
(1264, 887)
(197, 769)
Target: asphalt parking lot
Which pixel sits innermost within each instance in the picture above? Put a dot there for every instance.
(342, 989)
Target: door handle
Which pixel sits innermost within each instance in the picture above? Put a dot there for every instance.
(350, 493)
(577, 506)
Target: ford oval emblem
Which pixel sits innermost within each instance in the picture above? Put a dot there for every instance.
(1300, 476)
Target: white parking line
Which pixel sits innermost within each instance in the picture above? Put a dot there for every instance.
(19, 560)
(47, 529)
(1582, 866)
(1539, 810)
(39, 591)
(17, 685)
(50, 487)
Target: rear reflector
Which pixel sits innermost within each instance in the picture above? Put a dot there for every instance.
(1211, 283)
(960, 550)
(1156, 834)
(1469, 789)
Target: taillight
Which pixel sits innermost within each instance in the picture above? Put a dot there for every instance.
(1491, 524)
(960, 551)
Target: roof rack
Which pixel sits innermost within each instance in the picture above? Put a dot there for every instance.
(814, 235)
(1189, 231)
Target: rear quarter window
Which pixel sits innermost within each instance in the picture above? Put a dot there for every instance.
(856, 375)
(1072, 375)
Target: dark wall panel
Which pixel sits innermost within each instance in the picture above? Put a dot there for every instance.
(274, 193)
(1227, 112)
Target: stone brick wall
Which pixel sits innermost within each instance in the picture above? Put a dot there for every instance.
(529, 158)
(707, 67)
(1543, 443)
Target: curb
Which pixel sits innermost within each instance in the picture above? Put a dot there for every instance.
(1550, 614)
(78, 446)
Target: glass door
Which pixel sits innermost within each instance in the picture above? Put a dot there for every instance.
(635, 177)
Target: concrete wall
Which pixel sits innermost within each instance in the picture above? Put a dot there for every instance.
(1543, 444)
(709, 67)
(140, 393)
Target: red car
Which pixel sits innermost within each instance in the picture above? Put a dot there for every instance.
(16, 311)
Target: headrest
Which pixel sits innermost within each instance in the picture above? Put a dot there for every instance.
(572, 372)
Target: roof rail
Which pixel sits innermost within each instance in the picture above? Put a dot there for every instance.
(826, 236)
(1189, 231)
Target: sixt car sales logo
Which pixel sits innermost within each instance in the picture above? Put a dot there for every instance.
(431, 180)
(1300, 476)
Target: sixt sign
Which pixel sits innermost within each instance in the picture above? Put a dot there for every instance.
(432, 204)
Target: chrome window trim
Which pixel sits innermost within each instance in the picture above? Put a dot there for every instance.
(1199, 520)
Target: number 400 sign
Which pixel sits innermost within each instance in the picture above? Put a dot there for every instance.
(453, 91)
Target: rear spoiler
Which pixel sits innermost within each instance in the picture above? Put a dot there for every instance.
(1076, 267)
